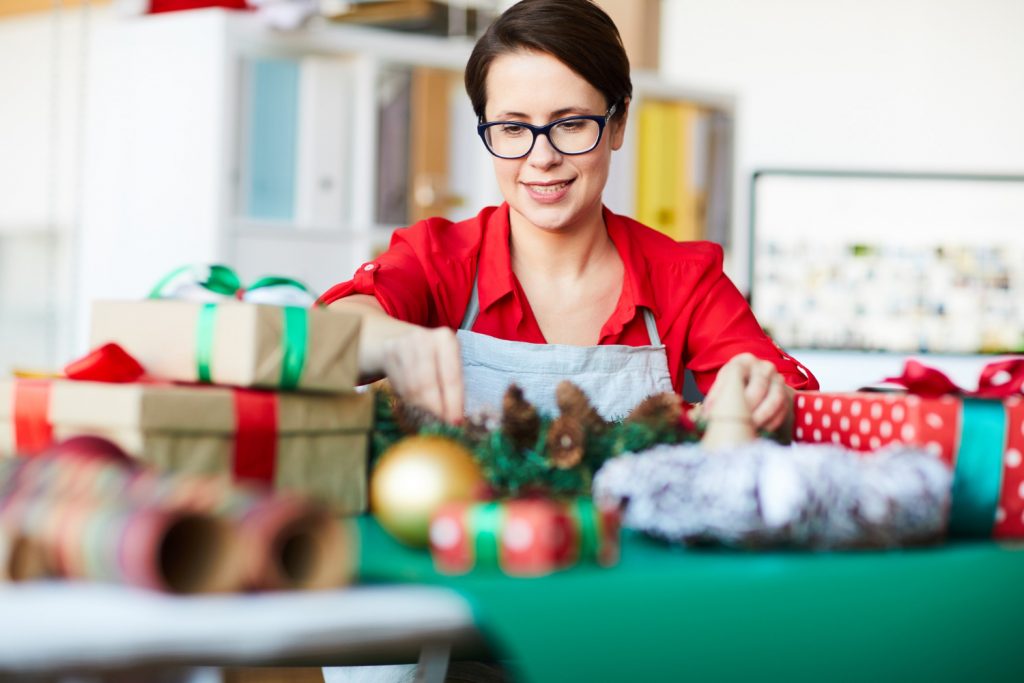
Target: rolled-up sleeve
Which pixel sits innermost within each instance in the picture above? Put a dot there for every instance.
(396, 278)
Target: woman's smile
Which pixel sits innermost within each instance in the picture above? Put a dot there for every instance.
(548, 192)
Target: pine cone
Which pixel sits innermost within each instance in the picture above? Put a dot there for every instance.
(658, 411)
(519, 419)
(565, 442)
(409, 418)
(478, 426)
(573, 402)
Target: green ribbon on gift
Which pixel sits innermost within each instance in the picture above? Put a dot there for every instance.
(977, 474)
(204, 342)
(485, 523)
(296, 326)
(224, 281)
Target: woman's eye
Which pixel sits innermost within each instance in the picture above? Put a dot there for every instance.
(571, 126)
(511, 129)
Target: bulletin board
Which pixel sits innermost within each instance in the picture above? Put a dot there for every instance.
(901, 262)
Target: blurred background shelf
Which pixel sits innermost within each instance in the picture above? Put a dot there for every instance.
(297, 152)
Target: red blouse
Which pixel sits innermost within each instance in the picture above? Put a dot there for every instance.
(426, 277)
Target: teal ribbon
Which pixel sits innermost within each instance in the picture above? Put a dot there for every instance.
(978, 471)
(484, 524)
(204, 342)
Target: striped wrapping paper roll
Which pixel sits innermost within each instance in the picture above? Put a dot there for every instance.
(286, 542)
(163, 549)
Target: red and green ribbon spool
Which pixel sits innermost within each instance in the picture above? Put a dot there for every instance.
(485, 524)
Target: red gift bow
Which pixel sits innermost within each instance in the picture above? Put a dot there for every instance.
(1000, 379)
(108, 363)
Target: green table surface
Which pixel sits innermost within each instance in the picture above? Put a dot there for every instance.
(668, 613)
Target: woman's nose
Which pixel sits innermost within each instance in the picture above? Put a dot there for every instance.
(543, 153)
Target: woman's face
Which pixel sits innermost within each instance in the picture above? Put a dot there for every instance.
(547, 189)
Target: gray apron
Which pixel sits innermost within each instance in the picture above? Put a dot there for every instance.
(615, 377)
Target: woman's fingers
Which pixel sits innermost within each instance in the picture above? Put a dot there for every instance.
(426, 371)
(772, 411)
(759, 375)
(765, 390)
(449, 375)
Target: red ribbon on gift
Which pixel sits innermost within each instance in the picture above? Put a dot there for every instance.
(998, 380)
(255, 435)
(33, 432)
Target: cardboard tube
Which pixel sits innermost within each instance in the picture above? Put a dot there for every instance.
(293, 546)
(196, 554)
(20, 558)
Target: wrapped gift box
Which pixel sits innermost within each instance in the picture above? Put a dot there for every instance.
(234, 343)
(530, 537)
(312, 444)
(981, 439)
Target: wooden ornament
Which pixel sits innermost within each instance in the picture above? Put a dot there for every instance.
(729, 422)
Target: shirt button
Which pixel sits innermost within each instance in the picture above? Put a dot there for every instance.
(368, 267)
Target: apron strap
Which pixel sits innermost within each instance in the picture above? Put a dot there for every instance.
(652, 327)
(473, 307)
(473, 310)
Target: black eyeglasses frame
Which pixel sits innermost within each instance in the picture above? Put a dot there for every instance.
(544, 130)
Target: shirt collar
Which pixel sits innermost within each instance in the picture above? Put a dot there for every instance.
(495, 259)
(496, 262)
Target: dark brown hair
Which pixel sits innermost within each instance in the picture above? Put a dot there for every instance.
(578, 33)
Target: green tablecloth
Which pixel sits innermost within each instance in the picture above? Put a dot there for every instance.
(952, 613)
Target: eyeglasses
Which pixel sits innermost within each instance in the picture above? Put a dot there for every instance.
(571, 135)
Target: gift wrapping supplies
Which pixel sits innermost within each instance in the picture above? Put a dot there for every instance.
(980, 435)
(310, 444)
(307, 432)
(94, 517)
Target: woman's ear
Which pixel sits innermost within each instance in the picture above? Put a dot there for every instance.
(618, 125)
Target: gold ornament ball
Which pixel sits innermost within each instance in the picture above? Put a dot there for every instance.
(416, 476)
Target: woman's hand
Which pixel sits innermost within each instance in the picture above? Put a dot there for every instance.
(769, 397)
(425, 369)
(422, 364)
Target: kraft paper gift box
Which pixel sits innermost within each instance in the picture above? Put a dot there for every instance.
(528, 537)
(980, 435)
(234, 343)
(311, 444)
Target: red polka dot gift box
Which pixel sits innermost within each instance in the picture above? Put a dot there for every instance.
(525, 538)
(979, 434)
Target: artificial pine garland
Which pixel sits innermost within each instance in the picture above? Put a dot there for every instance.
(522, 451)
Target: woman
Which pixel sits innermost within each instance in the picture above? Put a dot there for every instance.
(551, 285)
